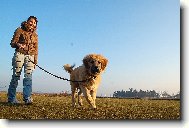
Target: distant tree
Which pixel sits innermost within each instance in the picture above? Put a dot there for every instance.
(141, 93)
(134, 93)
(154, 94)
(177, 96)
(165, 94)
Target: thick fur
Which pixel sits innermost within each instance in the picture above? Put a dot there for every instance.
(93, 66)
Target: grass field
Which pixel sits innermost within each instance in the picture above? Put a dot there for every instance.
(59, 107)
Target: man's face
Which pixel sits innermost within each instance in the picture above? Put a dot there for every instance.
(32, 24)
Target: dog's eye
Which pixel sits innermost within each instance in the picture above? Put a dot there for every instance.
(99, 62)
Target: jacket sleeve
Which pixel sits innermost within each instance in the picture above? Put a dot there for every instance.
(15, 39)
(36, 52)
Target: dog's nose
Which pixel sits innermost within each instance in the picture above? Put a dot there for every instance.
(96, 69)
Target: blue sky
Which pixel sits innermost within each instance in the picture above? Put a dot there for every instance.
(140, 38)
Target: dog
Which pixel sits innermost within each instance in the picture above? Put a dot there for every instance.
(89, 77)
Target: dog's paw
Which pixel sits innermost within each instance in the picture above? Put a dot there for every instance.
(95, 109)
(80, 104)
(74, 105)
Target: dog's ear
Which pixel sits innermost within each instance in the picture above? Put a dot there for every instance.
(104, 63)
(86, 62)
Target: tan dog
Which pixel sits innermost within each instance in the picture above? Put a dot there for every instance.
(93, 66)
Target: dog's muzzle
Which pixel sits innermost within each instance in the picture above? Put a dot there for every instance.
(95, 69)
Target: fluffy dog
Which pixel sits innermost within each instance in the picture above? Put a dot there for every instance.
(90, 75)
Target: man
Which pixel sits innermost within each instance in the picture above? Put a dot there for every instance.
(25, 42)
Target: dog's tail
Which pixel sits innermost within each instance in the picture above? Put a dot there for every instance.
(69, 68)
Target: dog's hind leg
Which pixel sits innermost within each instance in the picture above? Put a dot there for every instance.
(79, 98)
(74, 90)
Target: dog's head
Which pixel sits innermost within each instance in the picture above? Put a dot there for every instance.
(95, 63)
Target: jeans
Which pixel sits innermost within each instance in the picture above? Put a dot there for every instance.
(19, 61)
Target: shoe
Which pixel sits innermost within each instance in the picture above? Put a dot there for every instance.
(15, 101)
(28, 102)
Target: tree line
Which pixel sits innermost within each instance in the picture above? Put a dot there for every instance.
(133, 93)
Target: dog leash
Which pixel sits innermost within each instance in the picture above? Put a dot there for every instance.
(62, 78)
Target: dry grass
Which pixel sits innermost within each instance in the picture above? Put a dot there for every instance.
(59, 107)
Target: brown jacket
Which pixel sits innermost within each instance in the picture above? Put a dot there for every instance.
(30, 39)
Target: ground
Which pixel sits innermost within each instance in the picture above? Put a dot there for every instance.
(59, 107)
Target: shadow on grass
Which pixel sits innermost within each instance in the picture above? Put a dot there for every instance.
(10, 104)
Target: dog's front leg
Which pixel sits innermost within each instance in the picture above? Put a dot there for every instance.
(88, 97)
(93, 94)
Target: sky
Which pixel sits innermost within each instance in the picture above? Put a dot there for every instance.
(140, 39)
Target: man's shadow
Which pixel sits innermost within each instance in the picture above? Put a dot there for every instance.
(10, 104)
